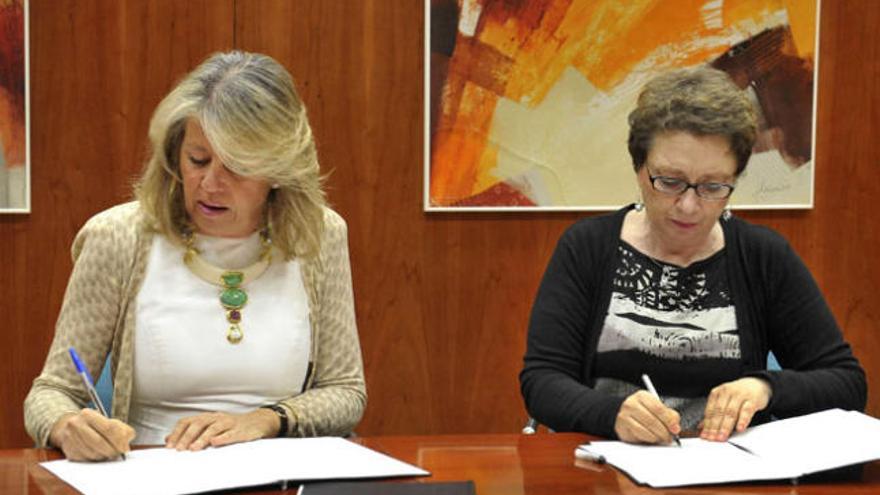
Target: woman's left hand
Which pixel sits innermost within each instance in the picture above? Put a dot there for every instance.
(732, 405)
(216, 429)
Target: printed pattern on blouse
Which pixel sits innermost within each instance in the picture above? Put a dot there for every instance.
(678, 324)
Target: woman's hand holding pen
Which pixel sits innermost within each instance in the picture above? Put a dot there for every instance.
(89, 436)
(732, 405)
(642, 418)
(216, 429)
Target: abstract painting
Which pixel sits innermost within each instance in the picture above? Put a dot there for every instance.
(527, 100)
(14, 117)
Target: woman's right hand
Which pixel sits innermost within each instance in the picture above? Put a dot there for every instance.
(89, 436)
(644, 419)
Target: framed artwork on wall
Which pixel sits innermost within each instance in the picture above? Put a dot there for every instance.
(15, 195)
(526, 103)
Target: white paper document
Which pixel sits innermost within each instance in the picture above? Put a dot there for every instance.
(784, 449)
(162, 471)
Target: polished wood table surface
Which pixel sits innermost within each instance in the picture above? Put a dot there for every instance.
(500, 464)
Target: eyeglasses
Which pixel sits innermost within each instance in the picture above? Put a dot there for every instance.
(707, 190)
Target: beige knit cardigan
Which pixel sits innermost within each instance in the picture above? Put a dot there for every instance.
(97, 316)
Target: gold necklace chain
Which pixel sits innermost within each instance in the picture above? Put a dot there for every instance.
(232, 294)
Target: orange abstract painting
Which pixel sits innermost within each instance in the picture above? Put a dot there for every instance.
(528, 99)
(14, 181)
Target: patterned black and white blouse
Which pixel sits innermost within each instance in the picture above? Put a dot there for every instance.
(677, 324)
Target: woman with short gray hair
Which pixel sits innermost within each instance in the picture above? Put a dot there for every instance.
(676, 288)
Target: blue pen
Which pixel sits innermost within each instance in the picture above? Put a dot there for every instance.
(87, 381)
(89, 384)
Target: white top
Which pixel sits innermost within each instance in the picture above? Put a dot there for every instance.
(183, 364)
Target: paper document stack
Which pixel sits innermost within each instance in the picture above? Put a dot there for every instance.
(162, 471)
(784, 449)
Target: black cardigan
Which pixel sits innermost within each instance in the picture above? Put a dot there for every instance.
(779, 308)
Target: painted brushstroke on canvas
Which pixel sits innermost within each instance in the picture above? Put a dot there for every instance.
(14, 155)
(528, 99)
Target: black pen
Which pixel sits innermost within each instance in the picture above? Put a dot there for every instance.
(650, 386)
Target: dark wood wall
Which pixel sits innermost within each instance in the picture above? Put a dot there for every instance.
(442, 299)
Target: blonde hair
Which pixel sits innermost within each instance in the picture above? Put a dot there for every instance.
(248, 108)
(700, 100)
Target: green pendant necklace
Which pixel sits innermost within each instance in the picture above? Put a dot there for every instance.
(232, 294)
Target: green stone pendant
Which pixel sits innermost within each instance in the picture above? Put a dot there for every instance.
(233, 298)
(232, 279)
(232, 295)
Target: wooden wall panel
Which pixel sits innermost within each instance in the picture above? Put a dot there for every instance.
(845, 229)
(442, 299)
(98, 68)
(838, 239)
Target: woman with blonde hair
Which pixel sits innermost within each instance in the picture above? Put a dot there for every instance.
(222, 294)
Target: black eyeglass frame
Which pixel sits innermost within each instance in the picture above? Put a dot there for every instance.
(688, 185)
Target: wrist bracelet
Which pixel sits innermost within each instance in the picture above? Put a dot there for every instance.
(282, 416)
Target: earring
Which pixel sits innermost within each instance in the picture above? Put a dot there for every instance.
(639, 206)
(726, 214)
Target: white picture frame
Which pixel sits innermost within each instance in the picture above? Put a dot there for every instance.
(15, 138)
(543, 168)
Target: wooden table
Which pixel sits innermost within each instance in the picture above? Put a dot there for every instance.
(502, 464)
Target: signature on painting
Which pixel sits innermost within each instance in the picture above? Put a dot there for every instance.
(765, 189)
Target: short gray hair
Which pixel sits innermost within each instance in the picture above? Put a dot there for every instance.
(701, 100)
